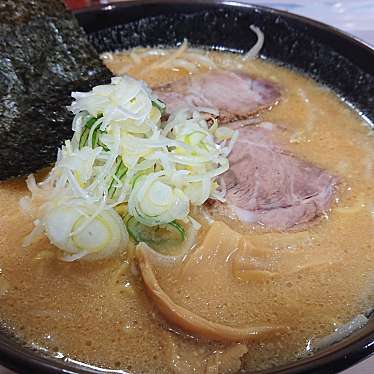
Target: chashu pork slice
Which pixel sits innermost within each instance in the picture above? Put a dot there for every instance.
(269, 186)
(236, 95)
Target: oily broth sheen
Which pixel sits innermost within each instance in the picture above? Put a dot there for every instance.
(99, 313)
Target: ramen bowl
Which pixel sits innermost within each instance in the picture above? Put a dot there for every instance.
(335, 59)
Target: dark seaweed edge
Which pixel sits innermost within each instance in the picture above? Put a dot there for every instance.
(44, 56)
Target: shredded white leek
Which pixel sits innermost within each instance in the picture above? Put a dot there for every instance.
(122, 154)
(255, 50)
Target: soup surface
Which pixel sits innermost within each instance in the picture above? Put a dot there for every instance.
(318, 276)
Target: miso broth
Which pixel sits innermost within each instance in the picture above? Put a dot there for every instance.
(99, 312)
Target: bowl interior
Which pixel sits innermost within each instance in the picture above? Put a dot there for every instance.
(333, 58)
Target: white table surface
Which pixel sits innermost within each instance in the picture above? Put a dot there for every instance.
(353, 16)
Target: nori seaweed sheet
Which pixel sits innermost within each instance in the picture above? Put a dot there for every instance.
(44, 56)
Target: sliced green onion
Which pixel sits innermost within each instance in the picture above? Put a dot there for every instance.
(95, 137)
(172, 165)
(160, 105)
(160, 238)
(177, 227)
(137, 176)
(86, 132)
(100, 144)
(120, 173)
